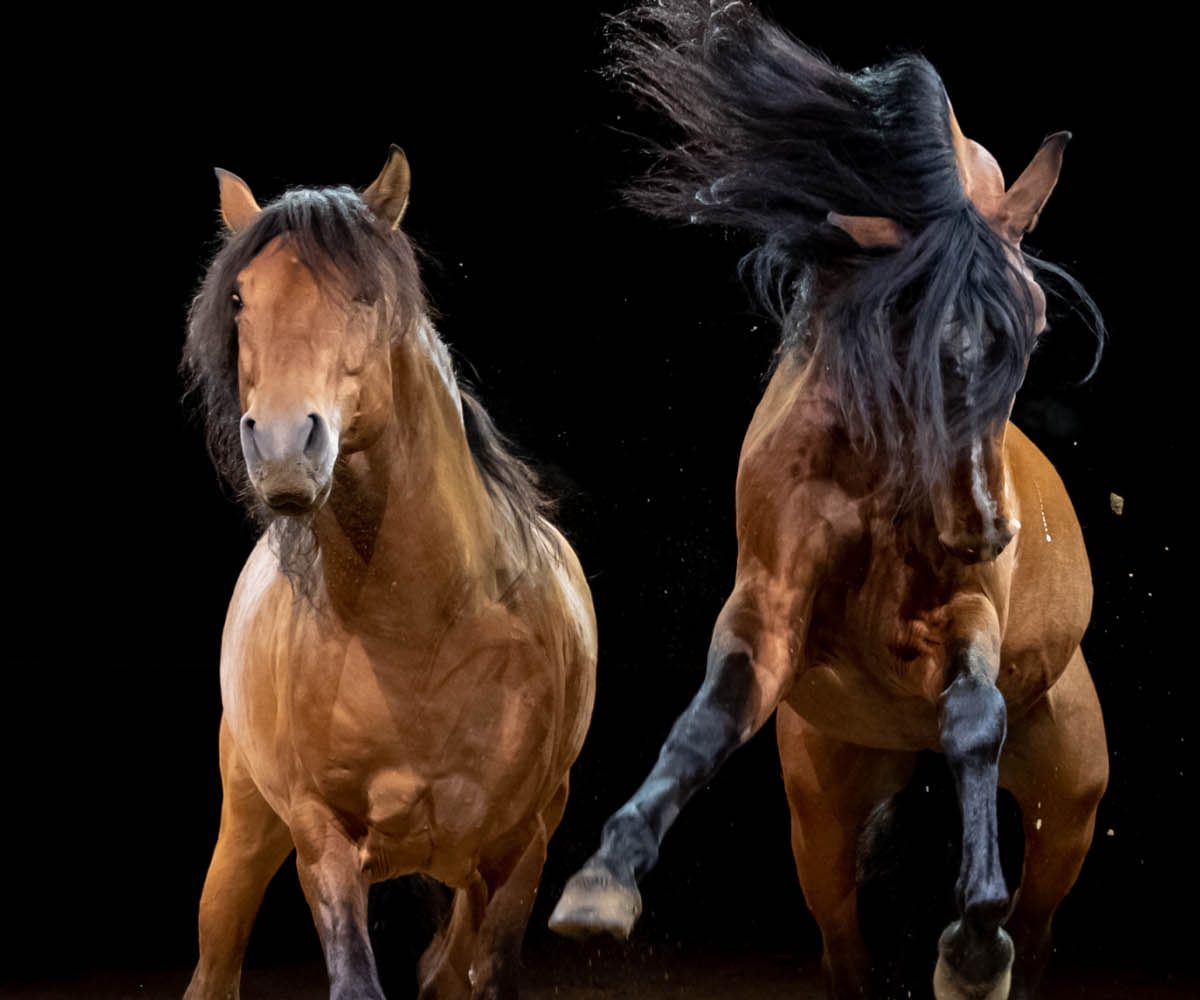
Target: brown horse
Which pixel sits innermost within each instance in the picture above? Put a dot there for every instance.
(910, 574)
(408, 661)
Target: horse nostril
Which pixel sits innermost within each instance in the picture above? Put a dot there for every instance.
(249, 440)
(314, 444)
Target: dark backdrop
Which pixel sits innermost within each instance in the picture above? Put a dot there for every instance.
(618, 351)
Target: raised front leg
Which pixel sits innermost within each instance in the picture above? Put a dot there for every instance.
(335, 886)
(832, 787)
(1056, 766)
(251, 845)
(975, 954)
(748, 672)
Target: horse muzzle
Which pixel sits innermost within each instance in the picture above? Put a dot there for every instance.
(289, 461)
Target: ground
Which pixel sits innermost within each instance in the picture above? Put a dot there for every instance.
(638, 973)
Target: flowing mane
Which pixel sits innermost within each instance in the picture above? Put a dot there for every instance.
(924, 346)
(353, 258)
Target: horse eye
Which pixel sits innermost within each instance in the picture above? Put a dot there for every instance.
(236, 300)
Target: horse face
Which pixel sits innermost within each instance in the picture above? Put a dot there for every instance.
(972, 510)
(314, 377)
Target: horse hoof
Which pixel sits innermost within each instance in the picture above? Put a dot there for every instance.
(983, 972)
(594, 902)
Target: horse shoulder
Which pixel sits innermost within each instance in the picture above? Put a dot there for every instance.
(574, 625)
(251, 661)
(798, 499)
(1050, 598)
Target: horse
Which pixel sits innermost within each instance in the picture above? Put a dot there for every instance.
(911, 575)
(408, 660)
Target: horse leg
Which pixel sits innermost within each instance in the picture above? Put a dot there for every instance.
(1056, 765)
(832, 787)
(251, 845)
(444, 972)
(974, 954)
(335, 885)
(478, 954)
(748, 671)
(513, 881)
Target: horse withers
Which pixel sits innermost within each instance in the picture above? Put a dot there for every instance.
(408, 660)
(910, 572)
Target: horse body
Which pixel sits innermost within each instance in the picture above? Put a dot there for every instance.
(408, 659)
(910, 572)
(871, 651)
(425, 751)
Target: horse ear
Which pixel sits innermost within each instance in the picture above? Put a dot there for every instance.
(387, 196)
(1024, 201)
(238, 207)
(871, 232)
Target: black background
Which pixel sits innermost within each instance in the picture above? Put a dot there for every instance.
(620, 352)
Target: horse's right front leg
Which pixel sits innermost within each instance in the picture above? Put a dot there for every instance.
(335, 885)
(749, 669)
(251, 846)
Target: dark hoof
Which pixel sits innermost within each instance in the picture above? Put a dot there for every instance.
(973, 968)
(595, 902)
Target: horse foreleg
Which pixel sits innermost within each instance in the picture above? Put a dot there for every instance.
(974, 954)
(513, 881)
(748, 671)
(832, 787)
(251, 845)
(478, 952)
(335, 885)
(1056, 766)
(444, 969)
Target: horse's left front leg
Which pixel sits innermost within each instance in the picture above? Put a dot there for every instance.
(974, 953)
(335, 885)
(513, 883)
(478, 953)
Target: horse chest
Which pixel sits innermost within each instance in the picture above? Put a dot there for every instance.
(425, 756)
(876, 657)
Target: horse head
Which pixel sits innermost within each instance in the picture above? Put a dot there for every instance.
(313, 365)
(972, 505)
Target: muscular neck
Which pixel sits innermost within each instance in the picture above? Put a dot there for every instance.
(408, 532)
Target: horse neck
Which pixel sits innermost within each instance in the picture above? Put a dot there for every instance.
(409, 533)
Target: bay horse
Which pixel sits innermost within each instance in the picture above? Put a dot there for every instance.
(911, 575)
(408, 661)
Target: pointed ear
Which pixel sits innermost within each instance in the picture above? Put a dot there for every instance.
(238, 207)
(387, 196)
(871, 232)
(1024, 201)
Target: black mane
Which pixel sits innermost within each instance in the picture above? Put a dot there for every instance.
(774, 139)
(352, 256)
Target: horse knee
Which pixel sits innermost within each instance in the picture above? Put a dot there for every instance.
(973, 722)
